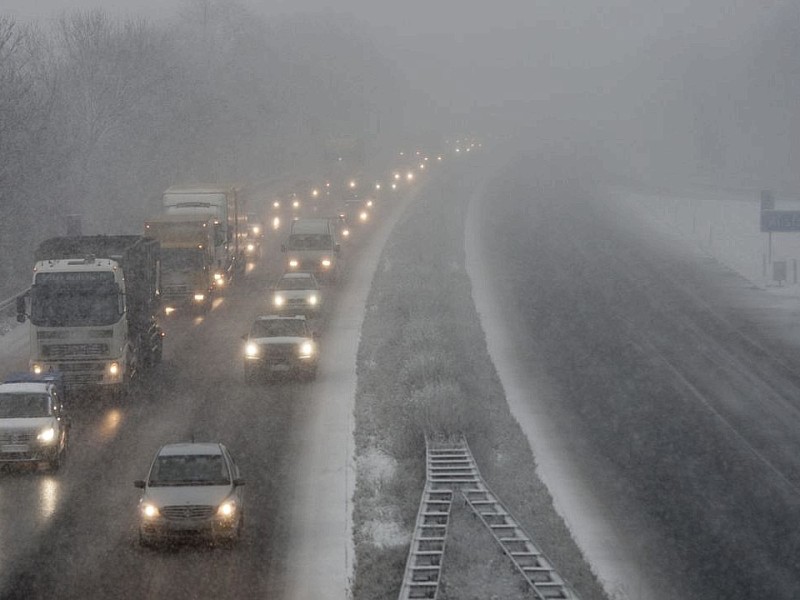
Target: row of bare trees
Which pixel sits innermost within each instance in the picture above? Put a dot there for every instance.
(98, 115)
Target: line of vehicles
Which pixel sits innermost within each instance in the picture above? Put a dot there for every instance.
(94, 310)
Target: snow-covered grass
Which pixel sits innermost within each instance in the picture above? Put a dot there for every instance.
(424, 368)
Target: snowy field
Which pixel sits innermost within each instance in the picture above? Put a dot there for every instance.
(725, 225)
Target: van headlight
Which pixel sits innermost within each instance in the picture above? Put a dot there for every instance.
(113, 369)
(227, 509)
(278, 300)
(251, 350)
(293, 263)
(326, 262)
(312, 299)
(306, 350)
(47, 435)
(150, 511)
(37, 368)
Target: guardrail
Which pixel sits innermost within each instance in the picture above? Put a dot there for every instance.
(9, 306)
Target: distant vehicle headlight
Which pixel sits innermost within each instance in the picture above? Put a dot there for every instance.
(326, 262)
(227, 509)
(278, 300)
(150, 511)
(276, 223)
(276, 204)
(369, 203)
(251, 350)
(345, 233)
(296, 204)
(256, 230)
(37, 368)
(363, 215)
(306, 350)
(199, 297)
(113, 369)
(293, 263)
(312, 299)
(251, 247)
(47, 435)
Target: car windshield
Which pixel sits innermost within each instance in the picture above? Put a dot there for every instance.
(189, 469)
(279, 328)
(297, 283)
(21, 406)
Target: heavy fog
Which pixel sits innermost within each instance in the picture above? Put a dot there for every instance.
(104, 104)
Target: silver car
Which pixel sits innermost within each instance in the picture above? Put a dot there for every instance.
(193, 490)
(297, 294)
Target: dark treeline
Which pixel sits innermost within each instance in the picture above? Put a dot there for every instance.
(98, 116)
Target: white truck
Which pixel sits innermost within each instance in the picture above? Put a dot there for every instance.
(312, 247)
(93, 309)
(223, 204)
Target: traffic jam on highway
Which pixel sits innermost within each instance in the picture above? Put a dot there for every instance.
(97, 307)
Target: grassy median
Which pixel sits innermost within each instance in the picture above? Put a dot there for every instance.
(423, 367)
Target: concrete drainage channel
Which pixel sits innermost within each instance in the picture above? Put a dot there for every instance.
(452, 474)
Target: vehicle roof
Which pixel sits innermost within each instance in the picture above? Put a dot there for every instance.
(184, 448)
(192, 189)
(173, 218)
(280, 318)
(24, 388)
(75, 264)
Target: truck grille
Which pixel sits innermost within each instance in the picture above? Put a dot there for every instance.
(82, 373)
(186, 513)
(67, 350)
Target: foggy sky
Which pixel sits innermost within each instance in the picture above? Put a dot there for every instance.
(477, 53)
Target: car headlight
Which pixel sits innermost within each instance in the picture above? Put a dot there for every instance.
(251, 247)
(113, 369)
(369, 203)
(306, 349)
(293, 263)
(37, 368)
(345, 232)
(199, 297)
(46, 435)
(278, 300)
(227, 509)
(256, 230)
(312, 299)
(363, 216)
(276, 204)
(150, 511)
(251, 349)
(326, 262)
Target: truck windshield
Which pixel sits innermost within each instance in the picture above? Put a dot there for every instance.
(72, 304)
(181, 259)
(24, 406)
(310, 242)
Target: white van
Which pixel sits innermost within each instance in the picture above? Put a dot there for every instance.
(312, 247)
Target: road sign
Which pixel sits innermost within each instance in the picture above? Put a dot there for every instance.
(780, 220)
